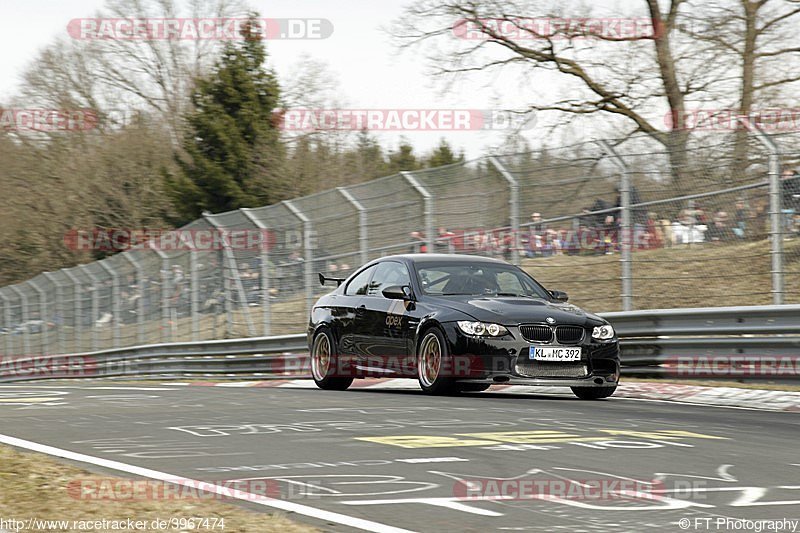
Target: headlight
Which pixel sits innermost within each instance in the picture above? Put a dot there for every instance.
(480, 329)
(603, 333)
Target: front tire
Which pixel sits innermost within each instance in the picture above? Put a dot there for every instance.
(432, 357)
(324, 363)
(593, 393)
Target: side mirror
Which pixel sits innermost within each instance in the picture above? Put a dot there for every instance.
(397, 292)
(559, 296)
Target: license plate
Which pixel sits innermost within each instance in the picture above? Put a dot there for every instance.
(555, 353)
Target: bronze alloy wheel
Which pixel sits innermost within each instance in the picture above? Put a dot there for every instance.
(321, 357)
(430, 360)
(325, 367)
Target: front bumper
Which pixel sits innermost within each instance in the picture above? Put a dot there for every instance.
(506, 361)
(548, 382)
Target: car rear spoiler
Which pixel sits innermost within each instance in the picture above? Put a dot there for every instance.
(323, 279)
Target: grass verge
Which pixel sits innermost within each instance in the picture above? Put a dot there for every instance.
(37, 486)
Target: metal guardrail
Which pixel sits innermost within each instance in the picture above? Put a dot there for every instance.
(253, 358)
(653, 342)
(710, 343)
(705, 321)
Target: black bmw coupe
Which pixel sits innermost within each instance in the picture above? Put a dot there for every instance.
(458, 324)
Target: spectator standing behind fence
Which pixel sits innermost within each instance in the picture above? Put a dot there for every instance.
(610, 234)
(596, 220)
(535, 240)
(536, 223)
(177, 283)
(418, 243)
(655, 234)
(250, 284)
(719, 230)
(585, 220)
(740, 219)
(506, 244)
(689, 229)
(295, 267)
(444, 241)
(790, 185)
(638, 214)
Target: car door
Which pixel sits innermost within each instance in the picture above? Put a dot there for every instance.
(385, 325)
(346, 311)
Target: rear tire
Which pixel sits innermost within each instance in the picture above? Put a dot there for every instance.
(324, 363)
(593, 393)
(432, 356)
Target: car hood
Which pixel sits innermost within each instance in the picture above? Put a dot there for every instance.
(511, 311)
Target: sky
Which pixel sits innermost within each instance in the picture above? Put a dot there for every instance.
(371, 70)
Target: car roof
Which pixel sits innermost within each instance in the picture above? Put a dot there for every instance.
(442, 258)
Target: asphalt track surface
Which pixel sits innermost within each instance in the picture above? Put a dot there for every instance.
(401, 459)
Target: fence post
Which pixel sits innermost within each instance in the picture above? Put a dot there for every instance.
(76, 308)
(193, 286)
(513, 205)
(23, 300)
(95, 287)
(59, 310)
(266, 314)
(139, 301)
(7, 319)
(194, 291)
(44, 338)
(166, 318)
(363, 242)
(428, 208)
(626, 230)
(226, 284)
(308, 251)
(776, 228)
(115, 302)
(234, 270)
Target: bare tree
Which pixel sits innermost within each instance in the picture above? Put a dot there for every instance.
(118, 77)
(623, 76)
(757, 39)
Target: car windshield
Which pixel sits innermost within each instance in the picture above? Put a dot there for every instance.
(493, 279)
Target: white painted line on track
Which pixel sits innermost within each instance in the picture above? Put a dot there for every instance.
(127, 388)
(696, 404)
(305, 510)
(80, 387)
(431, 460)
(4, 386)
(299, 384)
